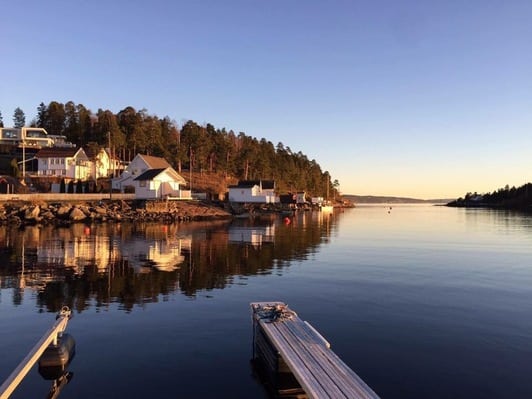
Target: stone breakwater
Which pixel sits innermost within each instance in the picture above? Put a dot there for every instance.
(16, 213)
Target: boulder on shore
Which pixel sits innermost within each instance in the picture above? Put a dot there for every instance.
(77, 215)
(32, 212)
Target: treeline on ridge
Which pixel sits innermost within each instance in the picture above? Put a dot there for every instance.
(200, 148)
(505, 198)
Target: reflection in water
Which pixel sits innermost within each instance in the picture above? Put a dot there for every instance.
(255, 235)
(159, 247)
(52, 364)
(58, 384)
(132, 264)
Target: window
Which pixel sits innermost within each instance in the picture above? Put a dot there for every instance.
(35, 133)
(9, 134)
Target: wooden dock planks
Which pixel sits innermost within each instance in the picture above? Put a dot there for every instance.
(321, 373)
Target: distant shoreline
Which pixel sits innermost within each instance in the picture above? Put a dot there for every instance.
(477, 205)
(374, 199)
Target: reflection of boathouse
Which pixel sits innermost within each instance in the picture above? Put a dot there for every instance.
(254, 235)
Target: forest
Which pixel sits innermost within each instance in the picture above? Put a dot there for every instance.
(200, 148)
(504, 198)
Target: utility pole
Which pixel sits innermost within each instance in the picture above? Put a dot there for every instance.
(23, 137)
(109, 168)
(190, 170)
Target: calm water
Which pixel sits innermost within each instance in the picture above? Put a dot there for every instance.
(420, 301)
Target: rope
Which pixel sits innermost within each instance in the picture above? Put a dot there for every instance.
(272, 313)
(64, 312)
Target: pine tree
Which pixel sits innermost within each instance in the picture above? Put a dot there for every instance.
(19, 119)
(42, 115)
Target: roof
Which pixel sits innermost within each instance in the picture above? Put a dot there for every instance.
(266, 184)
(58, 152)
(155, 162)
(150, 174)
(91, 151)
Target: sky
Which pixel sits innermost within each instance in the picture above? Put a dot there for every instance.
(423, 99)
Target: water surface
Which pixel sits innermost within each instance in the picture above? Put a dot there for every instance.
(420, 301)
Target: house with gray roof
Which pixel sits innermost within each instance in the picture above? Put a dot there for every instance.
(151, 177)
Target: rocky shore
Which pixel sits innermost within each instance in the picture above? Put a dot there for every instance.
(61, 214)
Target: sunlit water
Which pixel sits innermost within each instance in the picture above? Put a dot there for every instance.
(420, 301)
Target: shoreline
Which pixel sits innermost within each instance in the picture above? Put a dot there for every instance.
(521, 208)
(67, 212)
(64, 213)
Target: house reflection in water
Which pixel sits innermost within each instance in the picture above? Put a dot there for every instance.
(79, 246)
(254, 235)
(164, 255)
(157, 249)
(133, 264)
(76, 248)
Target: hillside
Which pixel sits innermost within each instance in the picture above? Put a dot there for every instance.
(214, 184)
(192, 146)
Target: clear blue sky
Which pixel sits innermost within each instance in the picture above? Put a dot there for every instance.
(427, 99)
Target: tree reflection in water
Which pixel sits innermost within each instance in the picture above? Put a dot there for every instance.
(132, 264)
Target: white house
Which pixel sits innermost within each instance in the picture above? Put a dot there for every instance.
(257, 191)
(151, 178)
(64, 162)
(103, 163)
(160, 183)
(301, 197)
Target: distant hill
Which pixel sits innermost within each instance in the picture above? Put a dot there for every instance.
(504, 198)
(373, 199)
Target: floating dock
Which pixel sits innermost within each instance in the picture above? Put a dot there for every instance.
(288, 348)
